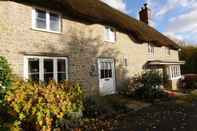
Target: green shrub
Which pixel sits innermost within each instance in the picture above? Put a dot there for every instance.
(5, 77)
(42, 105)
(188, 82)
(147, 86)
(92, 107)
(103, 107)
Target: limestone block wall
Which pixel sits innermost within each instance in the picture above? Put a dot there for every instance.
(18, 39)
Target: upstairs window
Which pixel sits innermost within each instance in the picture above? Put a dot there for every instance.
(46, 20)
(151, 49)
(167, 51)
(110, 34)
(125, 62)
(40, 19)
(54, 22)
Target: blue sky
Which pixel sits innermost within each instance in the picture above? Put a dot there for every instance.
(175, 18)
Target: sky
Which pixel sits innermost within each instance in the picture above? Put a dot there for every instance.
(174, 18)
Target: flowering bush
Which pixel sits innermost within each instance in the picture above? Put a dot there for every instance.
(42, 105)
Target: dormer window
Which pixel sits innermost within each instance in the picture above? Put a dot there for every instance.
(151, 49)
(46, 20)
(110, 34)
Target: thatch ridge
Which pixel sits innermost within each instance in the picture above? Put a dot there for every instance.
(94, 11)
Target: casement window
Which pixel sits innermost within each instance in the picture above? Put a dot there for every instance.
(168, 51)
(37, 68)
(174, 72)
(46, 20)
(125, 62)
(151, 49)
(110, 34)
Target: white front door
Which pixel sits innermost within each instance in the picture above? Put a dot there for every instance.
(106, 76)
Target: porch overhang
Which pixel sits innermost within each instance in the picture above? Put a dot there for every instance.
(158, 62)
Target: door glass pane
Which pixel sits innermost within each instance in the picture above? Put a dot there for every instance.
(61, 69)
(109, 69)
(106, 73)
(106, 70)
(33, 70)
(40, 19)
(102, 70)
(110, 73)
(54, 22)
(48, 70)
(102, 73)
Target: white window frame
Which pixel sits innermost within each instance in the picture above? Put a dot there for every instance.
(47, 20)
(125, 61)
(151, 50)
(174, 72)
(41, 66)
(112, 35)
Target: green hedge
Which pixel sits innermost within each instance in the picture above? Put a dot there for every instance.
(5, 77)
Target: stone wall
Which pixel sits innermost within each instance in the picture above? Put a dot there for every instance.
(20, 40)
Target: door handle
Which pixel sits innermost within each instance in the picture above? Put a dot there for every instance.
(107, 79)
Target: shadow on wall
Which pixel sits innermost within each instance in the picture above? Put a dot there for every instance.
(83, 50)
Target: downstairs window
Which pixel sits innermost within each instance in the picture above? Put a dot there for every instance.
(38, 68)
(174, 72)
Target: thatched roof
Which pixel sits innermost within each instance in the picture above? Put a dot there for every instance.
(94, 11)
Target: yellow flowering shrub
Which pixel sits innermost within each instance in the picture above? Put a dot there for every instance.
(43, 104)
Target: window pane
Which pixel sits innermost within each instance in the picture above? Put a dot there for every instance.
(61, 69)
(106, 73)
(54, 22)
(61, 65)
(61, 77)
(34, 77)
(110, 34)
(33, 65)
(33, 69)
(168, 51)
(102, 74)
(40, 19)
(110, 73)
(48, 69)
(125, 62)
(107, 33)
(176, 71)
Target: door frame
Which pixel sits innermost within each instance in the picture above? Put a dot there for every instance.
(113, 73)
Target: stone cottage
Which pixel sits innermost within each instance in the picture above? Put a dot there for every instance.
(86, 41)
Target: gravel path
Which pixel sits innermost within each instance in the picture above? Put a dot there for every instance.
(166, 116)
